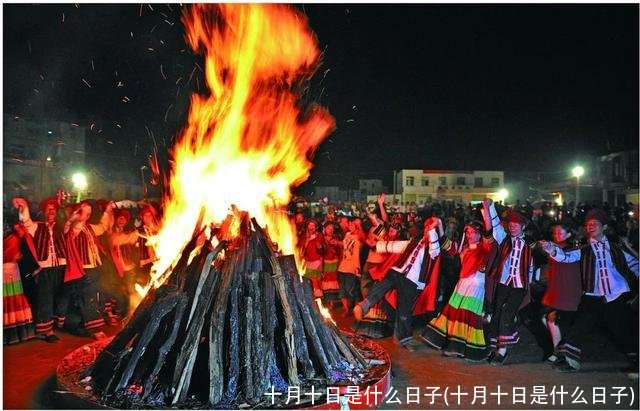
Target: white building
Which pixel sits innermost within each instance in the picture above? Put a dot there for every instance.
(424, 186)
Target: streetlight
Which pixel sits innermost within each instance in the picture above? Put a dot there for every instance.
(577, 172)
(79, 181)
(503, 193)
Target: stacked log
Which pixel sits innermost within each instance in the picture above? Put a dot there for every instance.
(221, 331)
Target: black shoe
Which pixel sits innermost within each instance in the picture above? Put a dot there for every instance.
(80, 332)
(491, 356)
(51, 338)
(564, 367)
(411, 346)
(450, 354)
(499, 359)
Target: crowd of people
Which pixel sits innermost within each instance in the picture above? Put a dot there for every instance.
(473, 273)
(477, 273)
(74, 266)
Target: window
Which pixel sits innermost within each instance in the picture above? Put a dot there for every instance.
(495, 182)
(478, 182)
(617, 169)
(460, 181)
(409, 181)
(443, 181)
(425, 181)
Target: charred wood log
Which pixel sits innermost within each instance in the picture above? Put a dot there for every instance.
(266, 310)
(160, 310)
(234, 331)
(288, 265)
(350, 353)
(288, 309)
(102, 369)
(166, 346)
(324, 330)
(216, 329)
(189, 348)
(200, 304)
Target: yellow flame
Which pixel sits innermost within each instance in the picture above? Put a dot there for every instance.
(247, 142)
(324, 311)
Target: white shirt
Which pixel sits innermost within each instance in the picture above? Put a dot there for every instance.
(510, 274)
(411, 267)
(608, 282)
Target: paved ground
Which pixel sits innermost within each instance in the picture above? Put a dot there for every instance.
(29, 380)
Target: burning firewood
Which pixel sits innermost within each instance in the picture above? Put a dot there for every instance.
(236, 316)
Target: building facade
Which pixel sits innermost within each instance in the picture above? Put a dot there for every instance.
(618, 177)
(39, 156)
(462, 186)
(372, 186)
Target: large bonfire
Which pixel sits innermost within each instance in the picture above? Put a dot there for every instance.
(249, 141)
(224, 318)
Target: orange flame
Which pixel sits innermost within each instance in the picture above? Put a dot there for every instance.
(324, 311)
(249, 141)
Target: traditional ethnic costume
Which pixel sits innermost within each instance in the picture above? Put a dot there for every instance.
(414, 277)
(563, 292)
(349, 269)
(122, 247)
(375, 323)
(49, 250)
(312, 249)
(459, 328)
(17, 320)
(81, 276)
(609, 281)
(330, 286)
(507, 285)
(146, 253)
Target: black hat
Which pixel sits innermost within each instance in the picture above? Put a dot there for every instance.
(596, 214)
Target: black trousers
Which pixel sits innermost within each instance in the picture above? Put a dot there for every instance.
(531, 316)
(617, 316)
(366, 282)
(349, 287)
(407, 296)
(82, 294)
(503, 328)
(47, 286)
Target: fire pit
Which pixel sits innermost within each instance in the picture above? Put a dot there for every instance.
(78, 394)
(228, 326)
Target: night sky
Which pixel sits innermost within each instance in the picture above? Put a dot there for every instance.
(510, 87)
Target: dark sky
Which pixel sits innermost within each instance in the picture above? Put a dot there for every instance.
(511, 87)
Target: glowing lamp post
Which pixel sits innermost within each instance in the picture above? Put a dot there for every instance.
(79, 181)
(577, 172)
(503, 193)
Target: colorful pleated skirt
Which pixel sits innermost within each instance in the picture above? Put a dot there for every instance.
(17, 319)
(330, 286)
(459, 328)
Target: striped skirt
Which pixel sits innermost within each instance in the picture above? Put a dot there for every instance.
(17, 320)
(330, 286)
(313, 269)
(459, 328)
